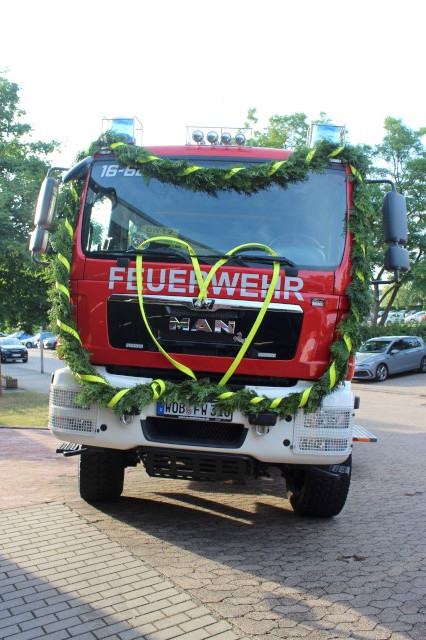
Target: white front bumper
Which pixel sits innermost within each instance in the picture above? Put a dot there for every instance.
(323, 437)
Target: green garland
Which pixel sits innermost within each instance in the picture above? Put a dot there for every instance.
(296, 167)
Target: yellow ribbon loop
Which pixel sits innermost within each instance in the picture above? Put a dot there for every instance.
(363, 249)
(332, 374)
(158, 388)
(63, 289)
(139, 283)
(229, 174)
(114, 145)
(310, 155)
(64, 261)
(117, 397)
(305, 396)
(69, 228)
(348, 342)
(275, 167)
(355, 172)
(67, 329)
(256, 400)
(275, 403)
(335, 152)
(189, 170)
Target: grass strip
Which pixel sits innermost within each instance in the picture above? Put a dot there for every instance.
(23, 409)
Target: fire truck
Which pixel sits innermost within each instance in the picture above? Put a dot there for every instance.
(274, 266)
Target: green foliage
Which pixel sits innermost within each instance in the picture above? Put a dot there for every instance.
(404, 155)
(23, 291)
(396, 329)
(248, 180)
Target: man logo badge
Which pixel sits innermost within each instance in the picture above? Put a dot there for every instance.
(207, 303)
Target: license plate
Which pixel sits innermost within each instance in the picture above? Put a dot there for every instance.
(206, 411)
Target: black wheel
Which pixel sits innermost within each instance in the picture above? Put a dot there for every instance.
(422, 367)
(381, 372)
(320, 492)
(25, 359)
(28, 345)
(101, 475)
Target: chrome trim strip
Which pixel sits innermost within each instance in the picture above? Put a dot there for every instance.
(218, 303)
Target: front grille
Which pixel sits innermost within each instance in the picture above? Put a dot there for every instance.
(362, 374)
(67, 416)
(188, 465)
(220, 333)
(327, 431)
(200, 433)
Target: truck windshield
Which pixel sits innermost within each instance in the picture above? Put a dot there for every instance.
(304, 223)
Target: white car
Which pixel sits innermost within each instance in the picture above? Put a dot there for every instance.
(415, 317)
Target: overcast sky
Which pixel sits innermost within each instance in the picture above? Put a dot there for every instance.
(198, 62)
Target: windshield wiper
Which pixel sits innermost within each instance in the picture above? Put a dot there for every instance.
(166, 252)
(244, 258)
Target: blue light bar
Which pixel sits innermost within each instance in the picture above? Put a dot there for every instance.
(322, 131)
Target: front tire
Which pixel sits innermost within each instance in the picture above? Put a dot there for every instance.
(422, 367)
(317, 494)
(101, 475)
(381, 372)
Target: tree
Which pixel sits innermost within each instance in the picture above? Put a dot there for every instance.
(23, 165)
(404, 157)
(288, 131)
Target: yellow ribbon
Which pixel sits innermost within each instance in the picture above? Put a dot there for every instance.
(332, 374)
(305, 396)
(65, 327)
(69, 228)
(89, 378)
(225, 395)
(64, 261)
(203, 288)
(360, 275)
(190, 170)
(355, 172)
(336, 152)
(348, 342)
(114, 145)
(63, 289)
(117, 397)
(310, 155)
(232, 172)
(256, 400)
(275, 167)
(158, 388)
(274, 404)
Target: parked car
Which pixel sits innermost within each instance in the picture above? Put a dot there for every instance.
(34, 341)
(44, 335)
(415, 317)
(395, 316)
(11, 349)
(380, 357)
(50, 343)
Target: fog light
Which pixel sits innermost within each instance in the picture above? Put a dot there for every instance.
(240, 139)
(212, 137)
(198, 136)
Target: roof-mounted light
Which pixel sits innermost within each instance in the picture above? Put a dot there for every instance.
(198, 136)
(240, 139)
(323, 131)
(218, 135)
(226, 138)
(212, 137)
(128, 128)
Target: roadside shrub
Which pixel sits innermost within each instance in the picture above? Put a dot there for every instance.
(396, 329)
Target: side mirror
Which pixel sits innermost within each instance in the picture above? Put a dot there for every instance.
(397, 259)
(39, 241)
(395, 218)
(45, 212)
(394, 351)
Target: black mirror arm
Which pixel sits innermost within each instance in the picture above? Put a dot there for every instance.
(37, 261)
(382, 182)
(394, 279)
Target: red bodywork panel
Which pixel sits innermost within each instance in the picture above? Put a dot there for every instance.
(94, 280)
